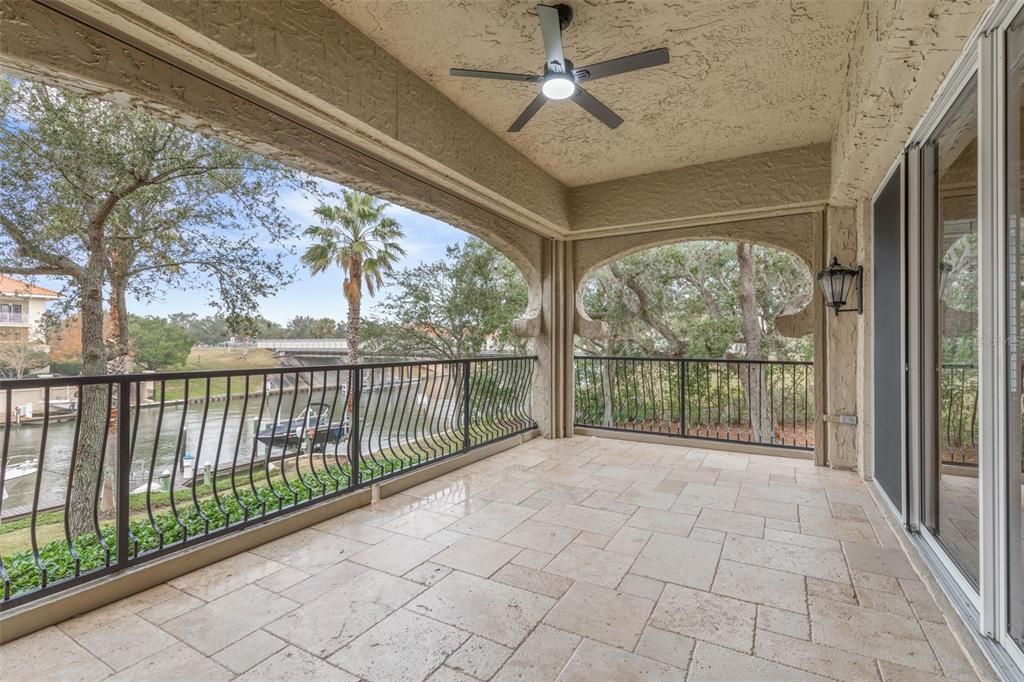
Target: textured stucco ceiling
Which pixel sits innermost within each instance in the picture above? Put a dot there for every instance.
(745, 77)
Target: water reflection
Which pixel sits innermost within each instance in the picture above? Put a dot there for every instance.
(222, 432)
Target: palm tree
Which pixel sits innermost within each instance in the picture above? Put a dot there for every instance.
(360, 240)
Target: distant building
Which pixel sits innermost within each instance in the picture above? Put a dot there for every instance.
(21, 309)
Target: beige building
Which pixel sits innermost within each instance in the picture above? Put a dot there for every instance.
(22, 306)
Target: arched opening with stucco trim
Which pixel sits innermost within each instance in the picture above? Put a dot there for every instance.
(699, 338)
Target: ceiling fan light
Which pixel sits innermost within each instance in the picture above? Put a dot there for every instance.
(558, 87)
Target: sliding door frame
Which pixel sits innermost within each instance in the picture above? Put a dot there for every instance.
(999, 508)
(921, 301)
(987, 608)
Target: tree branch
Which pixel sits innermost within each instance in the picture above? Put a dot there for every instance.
(678, 345)
(55, 263)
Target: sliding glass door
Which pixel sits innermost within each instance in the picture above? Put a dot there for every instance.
(964, 303)
(949, 268)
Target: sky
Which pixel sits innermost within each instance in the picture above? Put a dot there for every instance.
(317, 296)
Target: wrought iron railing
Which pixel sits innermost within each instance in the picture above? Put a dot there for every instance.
(958, 402)
(138, 466)
(750, 401)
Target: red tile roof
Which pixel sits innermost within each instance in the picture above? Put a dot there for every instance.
(14, 287)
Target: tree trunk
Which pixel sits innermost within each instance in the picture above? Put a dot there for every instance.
(754, 378)
(606, 390)
(93, 405)
(353, 294)
(121, 358)
(353, 290)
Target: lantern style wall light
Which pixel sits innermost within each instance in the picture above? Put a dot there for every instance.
(838, 282)
(945, 270)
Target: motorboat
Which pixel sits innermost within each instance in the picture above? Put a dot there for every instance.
(314, 424)
(20, 470)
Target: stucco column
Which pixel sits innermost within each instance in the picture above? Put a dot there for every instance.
(841, 341)
(553, 389)
(551, 325)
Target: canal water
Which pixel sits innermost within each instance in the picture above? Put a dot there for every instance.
(227, 433)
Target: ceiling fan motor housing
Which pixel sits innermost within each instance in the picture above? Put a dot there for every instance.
(560, 79)
(564, 16)
(568, 68)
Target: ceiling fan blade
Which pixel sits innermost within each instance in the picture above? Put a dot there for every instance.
(497, 75)
(528, 113)
(614, 67)
(551, 29)
(595, 108)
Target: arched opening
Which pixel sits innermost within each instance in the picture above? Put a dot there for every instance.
(138, 220)
(698, 340)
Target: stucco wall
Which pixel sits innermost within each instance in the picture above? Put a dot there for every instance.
(311, 47)
(902, 51)
(722, 190)
(45, 45)
(794, 233)
(842, 346)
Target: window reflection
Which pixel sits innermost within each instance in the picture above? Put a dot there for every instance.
(951, 471)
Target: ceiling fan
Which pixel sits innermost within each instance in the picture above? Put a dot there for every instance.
(561, 80)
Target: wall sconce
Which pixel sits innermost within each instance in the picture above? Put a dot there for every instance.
(837, 282)
(945, 270)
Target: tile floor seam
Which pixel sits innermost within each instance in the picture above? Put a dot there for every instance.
(177, 642)
(931, 647)
(807, 604)
(475, 634)
(650, 616)
(637, 557)
(570, 657)
(746, 563)
(817, 672)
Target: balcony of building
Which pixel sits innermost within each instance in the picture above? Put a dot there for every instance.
(538, 517)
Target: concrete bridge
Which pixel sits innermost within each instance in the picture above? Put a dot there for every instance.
(303, 346)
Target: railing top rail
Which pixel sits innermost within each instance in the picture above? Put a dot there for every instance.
(648, 358)
(657, 359)
(39, 382)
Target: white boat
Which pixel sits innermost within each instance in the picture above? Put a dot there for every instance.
(20, 470)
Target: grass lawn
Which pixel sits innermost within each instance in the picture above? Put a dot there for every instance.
(218, 358)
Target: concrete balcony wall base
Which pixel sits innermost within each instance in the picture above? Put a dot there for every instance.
(36, 615)
(726, 446)
(414, 478)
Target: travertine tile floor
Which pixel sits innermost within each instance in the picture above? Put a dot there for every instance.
(581, 559)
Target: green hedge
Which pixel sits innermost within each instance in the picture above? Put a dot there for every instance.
(269, 496)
